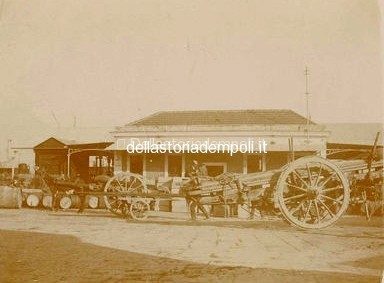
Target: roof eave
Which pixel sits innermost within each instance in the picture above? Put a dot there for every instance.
(219, 128)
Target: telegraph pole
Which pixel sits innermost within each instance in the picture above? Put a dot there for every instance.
(308, 116)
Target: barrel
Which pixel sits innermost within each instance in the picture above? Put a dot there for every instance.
(33, 200)
(75, 202)
(65, 202)
(92, 201)
(10, 197)
(47, 201)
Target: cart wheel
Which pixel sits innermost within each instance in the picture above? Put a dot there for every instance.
(119, 186)
(139, 209)
(312, 192)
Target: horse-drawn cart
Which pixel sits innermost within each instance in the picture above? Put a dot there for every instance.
(310, 192)
(127, 194)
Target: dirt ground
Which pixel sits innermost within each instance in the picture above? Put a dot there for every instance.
(40, 246)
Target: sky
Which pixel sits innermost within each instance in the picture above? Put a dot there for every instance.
(108, 62)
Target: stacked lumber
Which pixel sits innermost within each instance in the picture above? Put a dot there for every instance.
(355, 165)
(346, 166)
(258, 178)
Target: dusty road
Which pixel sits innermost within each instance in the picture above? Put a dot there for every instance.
(98, 247)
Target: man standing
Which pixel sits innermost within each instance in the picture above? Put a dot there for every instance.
(194, 173)
(194, 202)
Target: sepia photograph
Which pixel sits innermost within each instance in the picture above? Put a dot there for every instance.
(191, 141)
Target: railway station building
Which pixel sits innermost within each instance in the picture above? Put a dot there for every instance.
(285, 133)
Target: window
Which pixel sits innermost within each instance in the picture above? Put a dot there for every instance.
(98, 161)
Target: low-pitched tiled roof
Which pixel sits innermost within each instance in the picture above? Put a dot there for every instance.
(222, 117)
(58, 143)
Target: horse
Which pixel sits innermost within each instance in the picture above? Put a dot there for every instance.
(57, 187)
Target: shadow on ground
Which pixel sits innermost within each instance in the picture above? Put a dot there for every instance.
(30, 256)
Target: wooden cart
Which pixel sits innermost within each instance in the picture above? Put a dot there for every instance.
(310, 192)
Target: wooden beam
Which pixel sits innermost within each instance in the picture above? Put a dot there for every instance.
(263, 162)
(245, 163)
(183, 165)
(144, 165)
(166, 165)
(128, 163)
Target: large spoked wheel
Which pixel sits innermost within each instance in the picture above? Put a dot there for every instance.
(119, 188)
(312, 192)
(139, 209)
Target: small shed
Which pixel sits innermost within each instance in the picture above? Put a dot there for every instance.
(68, 158)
